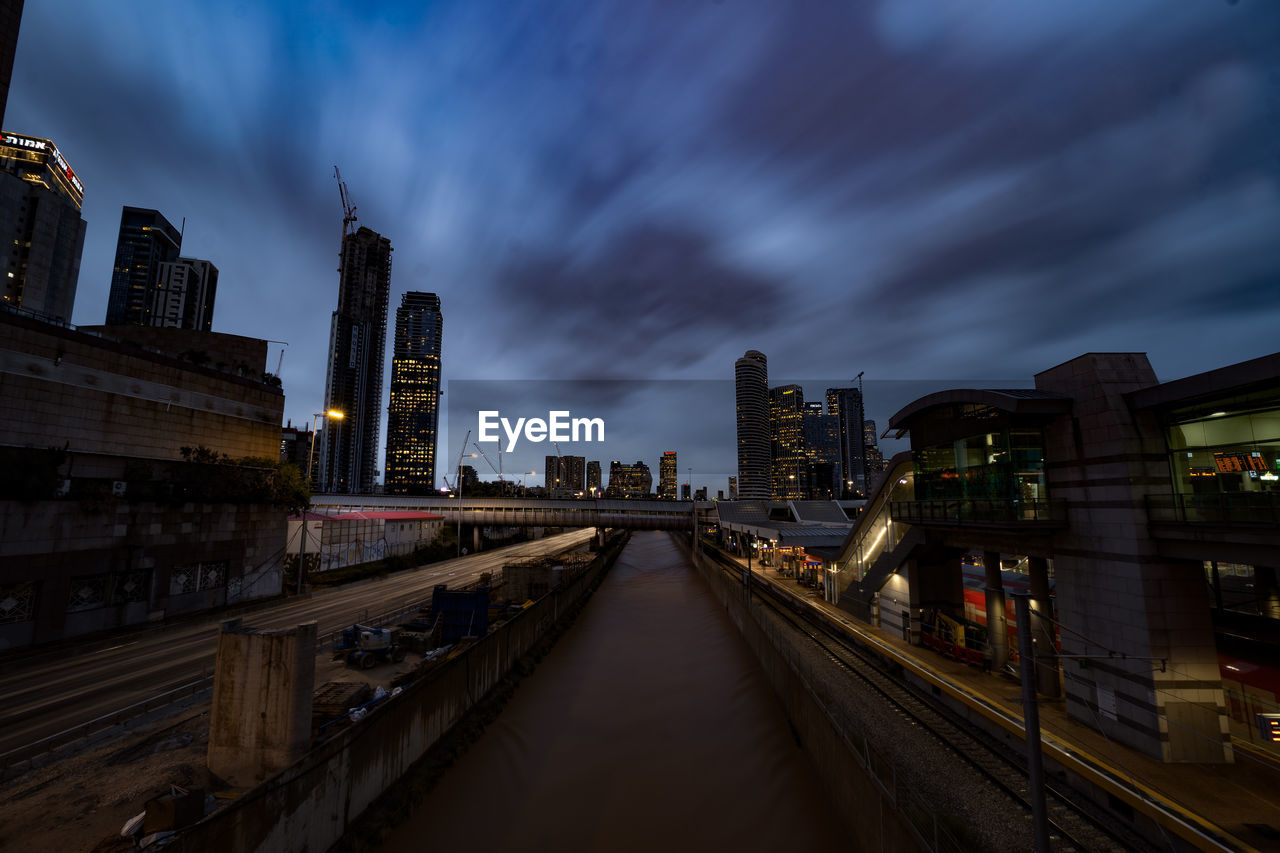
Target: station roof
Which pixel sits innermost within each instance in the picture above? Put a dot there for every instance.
(1020, 401)
(1257, 374)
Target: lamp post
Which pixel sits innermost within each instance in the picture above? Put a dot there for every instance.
(332, 414)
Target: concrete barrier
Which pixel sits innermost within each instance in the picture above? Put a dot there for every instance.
(310, 804)
(862, 790)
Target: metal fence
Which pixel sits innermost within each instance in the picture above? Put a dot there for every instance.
(1250, 508)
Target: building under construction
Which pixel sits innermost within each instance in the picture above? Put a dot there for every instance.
(357, 342)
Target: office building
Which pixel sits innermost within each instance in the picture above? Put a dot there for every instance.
(733, 488)
(184, 295)
(846, 405)
(700, 494)
(297, 448)
(629, 481)
(40, 223)
(667, 476)
(751, 384)
(822, 452)
(871, 452)
(147, 241)
(413, 417)
(593, 478)
(565, 476)
(357, 340)
(788, 466)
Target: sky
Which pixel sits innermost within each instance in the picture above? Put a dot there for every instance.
(606, 190)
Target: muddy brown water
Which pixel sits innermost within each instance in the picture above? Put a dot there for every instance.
(649, 727)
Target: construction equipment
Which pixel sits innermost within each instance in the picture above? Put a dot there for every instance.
(367, 647)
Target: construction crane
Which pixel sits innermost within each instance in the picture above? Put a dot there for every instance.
(348, 209)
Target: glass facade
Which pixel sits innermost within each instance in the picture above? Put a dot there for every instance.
(1235, 449)
(1004, 465)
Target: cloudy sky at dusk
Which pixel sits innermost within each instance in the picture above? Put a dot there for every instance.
(643, 190)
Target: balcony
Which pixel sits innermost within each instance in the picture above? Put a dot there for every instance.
(1223, 508)
(981, 512)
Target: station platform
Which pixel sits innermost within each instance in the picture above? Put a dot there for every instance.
(1237, 803)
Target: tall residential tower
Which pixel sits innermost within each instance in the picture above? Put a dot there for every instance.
(751, 379)
(413, 418)
(357, 341)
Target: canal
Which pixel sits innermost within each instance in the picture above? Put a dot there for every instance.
(649, 727)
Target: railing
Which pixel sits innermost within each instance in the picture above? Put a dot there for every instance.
(980, 511)
(1220, 508)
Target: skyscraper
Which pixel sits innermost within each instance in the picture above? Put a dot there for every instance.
(751, 380)
(871, 452)
(357, 341)
(184, 295)
(413, 417)
(788, 466)
(593, 478)
(146, 242)
(10, 19)
(846, 405)
(668, 478)
(40, 199)
(733, 488)
(629, 481)
(822, 452)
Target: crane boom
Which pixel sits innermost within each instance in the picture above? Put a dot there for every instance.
(348, 209)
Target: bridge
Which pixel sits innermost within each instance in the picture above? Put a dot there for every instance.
(528, 512)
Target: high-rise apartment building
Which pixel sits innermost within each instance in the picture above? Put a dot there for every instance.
(593, 478)
(147, 242)
(357, 341)
(184, 295)
(668, 478)
(846, 405)
(789, 465)
(751, 382)
(413, 416)
(565, 476)
(41, 226)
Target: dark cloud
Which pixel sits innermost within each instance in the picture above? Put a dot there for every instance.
(644, 305)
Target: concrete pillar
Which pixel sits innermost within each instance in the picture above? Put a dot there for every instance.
(1043, 632)
(260, 717)
(997, 616)
(1264, 584)
(475, 539)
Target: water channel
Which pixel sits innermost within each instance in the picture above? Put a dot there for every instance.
(650, 726)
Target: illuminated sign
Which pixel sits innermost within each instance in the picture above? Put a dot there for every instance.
(32, 144)
(1232, 462)
(1269, 727)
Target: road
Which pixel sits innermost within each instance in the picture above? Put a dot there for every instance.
(54, 691)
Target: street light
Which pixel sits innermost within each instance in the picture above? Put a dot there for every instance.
(332, 414)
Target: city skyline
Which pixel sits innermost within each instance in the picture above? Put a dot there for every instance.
(961, 204)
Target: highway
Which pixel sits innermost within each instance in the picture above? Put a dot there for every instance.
(54, 690)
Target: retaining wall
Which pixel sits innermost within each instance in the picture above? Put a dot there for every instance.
(309, 805)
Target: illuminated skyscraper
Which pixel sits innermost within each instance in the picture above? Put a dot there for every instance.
(846, 405)
(40, 221)
(751, 380)
(789, 468)
(822, 451)
(668, 478)
(593, 478)
(357, 341)
(629, 481)
(413, 417)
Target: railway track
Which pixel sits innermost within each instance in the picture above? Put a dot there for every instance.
(1075, 824)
